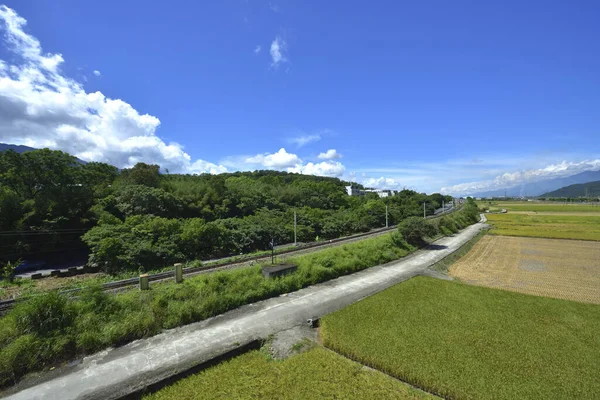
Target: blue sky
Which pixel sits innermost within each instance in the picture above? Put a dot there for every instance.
(459, 96)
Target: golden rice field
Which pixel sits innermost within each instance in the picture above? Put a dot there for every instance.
(546, 226)
(563, 269)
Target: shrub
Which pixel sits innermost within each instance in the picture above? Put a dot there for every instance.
(414, 230)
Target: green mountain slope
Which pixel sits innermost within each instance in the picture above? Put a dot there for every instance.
(590, 189)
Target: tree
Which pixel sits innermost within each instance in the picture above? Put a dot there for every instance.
(142, 174)
(415, 229)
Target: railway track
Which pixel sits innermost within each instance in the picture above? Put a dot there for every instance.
(115, 286)
(6, 305)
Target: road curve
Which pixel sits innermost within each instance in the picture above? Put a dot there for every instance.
(117, 372)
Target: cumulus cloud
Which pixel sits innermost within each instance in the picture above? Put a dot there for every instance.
(382, 183)
(278, 160)
(511, 179)
(290, 162)
(41, 107)
(330, 154)
(257, 49)
(97, 73)
(278, 49)
(325, 168)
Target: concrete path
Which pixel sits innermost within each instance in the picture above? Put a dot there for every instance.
(117, 372)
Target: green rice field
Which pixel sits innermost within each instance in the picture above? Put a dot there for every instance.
(467, 342)
(538, 206)
(315, 374)
(546, 226)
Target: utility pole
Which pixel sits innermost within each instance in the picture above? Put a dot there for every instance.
(386, 216)
(295, 228)
(424, 216)
(443, 206)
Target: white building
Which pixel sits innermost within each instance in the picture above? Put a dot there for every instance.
(352, 191)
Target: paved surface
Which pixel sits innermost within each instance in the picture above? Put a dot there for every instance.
(117, 372)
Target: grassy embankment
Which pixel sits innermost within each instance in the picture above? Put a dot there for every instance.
(315, 374)
(48, 328)
(469, 342)
(30, 287)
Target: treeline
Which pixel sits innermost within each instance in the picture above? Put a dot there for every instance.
(140, 219)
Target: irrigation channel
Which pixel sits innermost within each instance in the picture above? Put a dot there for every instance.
(6, 305)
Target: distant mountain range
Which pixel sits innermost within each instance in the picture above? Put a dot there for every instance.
(15, 147)
(23, 149)
(541, 187)
(590, 189)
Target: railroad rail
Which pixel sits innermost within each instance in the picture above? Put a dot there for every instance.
(6, 305)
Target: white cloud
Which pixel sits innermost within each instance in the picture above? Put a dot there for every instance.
(41, 107)
(284, 161)
(257, 49)
(325, 168)
(330, 154)
(278, 49)
(97, 73)
(382, 183)
(305, 139)
(278, 160)
(511, 179)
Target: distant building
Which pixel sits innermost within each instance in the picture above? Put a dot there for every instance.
(353, 191)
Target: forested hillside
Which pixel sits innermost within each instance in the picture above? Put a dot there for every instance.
(140, 219)
(590, 189)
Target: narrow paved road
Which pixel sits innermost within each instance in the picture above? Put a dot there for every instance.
(117, 372)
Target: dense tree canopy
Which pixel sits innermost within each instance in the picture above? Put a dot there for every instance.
(140, 219)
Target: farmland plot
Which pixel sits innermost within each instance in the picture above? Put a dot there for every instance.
(564, 269)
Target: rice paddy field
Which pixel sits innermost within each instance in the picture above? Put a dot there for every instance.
(546, 226)
(315, 374)
(539, 206)
(564, 269)
(467, 342)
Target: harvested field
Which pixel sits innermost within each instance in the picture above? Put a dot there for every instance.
(563, 269)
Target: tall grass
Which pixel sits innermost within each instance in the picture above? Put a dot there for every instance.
(468, 342)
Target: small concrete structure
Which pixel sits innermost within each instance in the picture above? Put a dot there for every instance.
(144, 283)
(278, 270)
(178, 273)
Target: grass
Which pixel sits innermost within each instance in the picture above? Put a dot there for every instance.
(468, 342)
(546, 226)
(315, 374)
(444, 264)
(98, 320)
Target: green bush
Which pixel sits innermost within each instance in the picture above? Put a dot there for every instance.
(414, 230)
